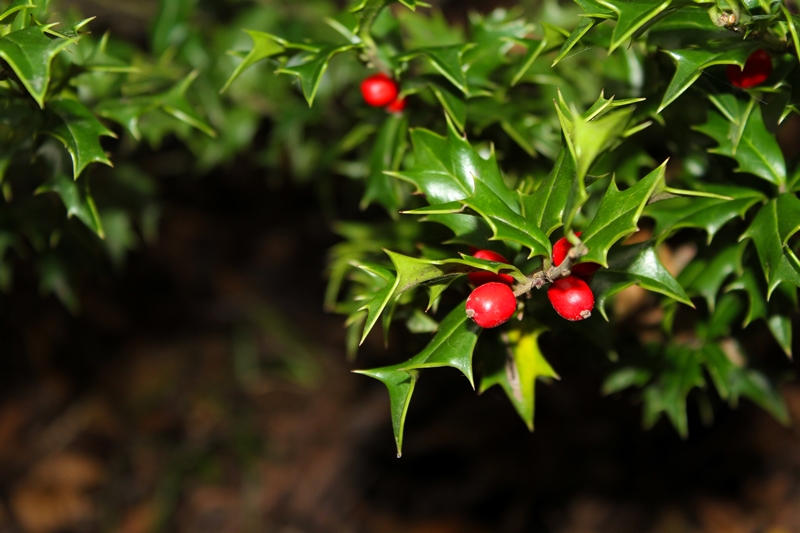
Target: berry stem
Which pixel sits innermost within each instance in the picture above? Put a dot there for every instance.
(370, 50)
(549, 273)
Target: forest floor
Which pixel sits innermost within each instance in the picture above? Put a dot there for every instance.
(204, 390)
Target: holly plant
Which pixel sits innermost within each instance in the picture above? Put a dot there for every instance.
(621, 156)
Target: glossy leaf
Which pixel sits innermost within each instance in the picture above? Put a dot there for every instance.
(75, 126)
(264, 46)
(709, 214)
(770, 230)
(618, 215)
(310, 66)
(757, 306)
(29, 52)
(516, 370)
(545, 206)
(710, 280)
(640, 263)
(77, 201)
(757, 151)
(447, 168)
(631, 16)
(452, 346)
(447, 60)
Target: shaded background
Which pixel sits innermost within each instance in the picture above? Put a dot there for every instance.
(203, 389)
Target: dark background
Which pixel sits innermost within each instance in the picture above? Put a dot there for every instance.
(204, 389)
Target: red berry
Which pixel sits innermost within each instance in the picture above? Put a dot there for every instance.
(397, 106)
(757, 69)
(571, 297)
(479, 278)
(491, 304)
(379, 90)
(561, 249)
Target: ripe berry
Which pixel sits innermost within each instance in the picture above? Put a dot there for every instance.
(571, 297)
(757, 69)
(561, 249)
(379, 90)
(397, 106)
(491, 304)
(479, 278)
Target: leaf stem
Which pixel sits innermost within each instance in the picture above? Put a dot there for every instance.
(549, 272)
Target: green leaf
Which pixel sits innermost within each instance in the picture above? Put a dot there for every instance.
(310, 66)
(709, 214)
(583, 27)
(452, 346)
(631, 16)
(75, 126)
(467, 229)
(545, 207)
(386, 154)
(770, 230)
(76, 199)
(447, 168)
(757, 152)
(412, 272)
(668, 394)
(264, 46)
(454, 106)
(709, 281)
(506, 224)
(690, 64)
(625, 378)
(757, 307)
(552, 38)
(447, 60)
(780, 325)
(605, 284)
(516, 370)
(29, 52)
(640, 263)
(618, 215)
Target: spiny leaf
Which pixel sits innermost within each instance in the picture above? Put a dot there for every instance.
(264, 46)
(757, 303)
(709, 214)
(447, 168)
(618, 215)
(770, 230)
(75, 126)
(709, 281)
(29, 52)
(545, 206)
(452, 346)
(310, 66)
(447, 60)
(690, 64)
(668, 393)
(640, 263)
(757, 151)
(516, 370)
(631, 16)
(76, 199)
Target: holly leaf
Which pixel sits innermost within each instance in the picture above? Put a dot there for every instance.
(309, 66)
(452, 346)
(709, 214)
(691, 63)
(545, 207)
(640, 263)
(668, 393)
(454, 106)
(411, 272)
(77, 200)
(618, 215)
(606, 284)
(264, 46)
(516, 370)
(708, 282)
(467, 229)
(446, 169)
(772, 227)
(757, 151)
(757, 305)
(447, 60)
(29, 52)
(593, 13)
(386, 154)
(75, 126)
(632, 16)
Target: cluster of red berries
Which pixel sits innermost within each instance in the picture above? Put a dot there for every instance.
(493, 303)
(379, 90)
(756, 70)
